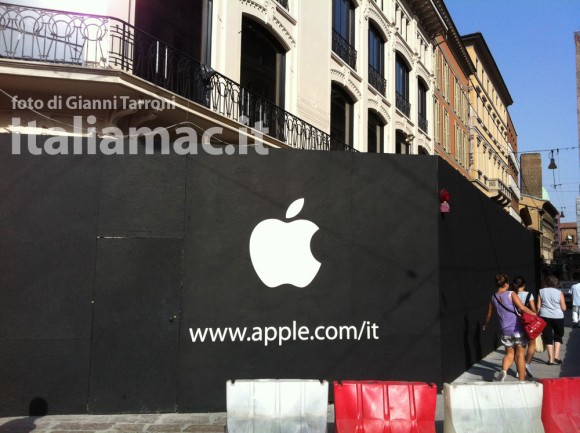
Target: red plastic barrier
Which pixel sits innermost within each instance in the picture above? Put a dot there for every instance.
(384, 407)
(561, 405)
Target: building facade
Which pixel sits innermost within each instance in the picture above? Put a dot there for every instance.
(514, 169)
(490, 148)
(453, 67)
(540, 216)
(347, 75)
(327, 75)
(567, 253)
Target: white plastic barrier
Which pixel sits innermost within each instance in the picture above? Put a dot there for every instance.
(483, 407)
(276, 406)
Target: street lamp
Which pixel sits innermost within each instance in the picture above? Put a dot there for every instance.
(552, 165)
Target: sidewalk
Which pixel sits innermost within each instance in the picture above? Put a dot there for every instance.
(484, 370)
(569, 353)
(215, 423)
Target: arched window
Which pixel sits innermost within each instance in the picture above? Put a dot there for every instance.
(343, 30)
(403, 142)
(262, 78)
(263, 61)
(377, 60)
(375, 133)
(341, 115)
(402, 85)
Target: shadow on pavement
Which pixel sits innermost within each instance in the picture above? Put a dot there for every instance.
(571, 366)
(37, 408)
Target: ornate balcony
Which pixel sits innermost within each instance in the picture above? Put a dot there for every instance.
(344, 50)
(403, 105)
(49, 36)
(377, 80)
(500, 192)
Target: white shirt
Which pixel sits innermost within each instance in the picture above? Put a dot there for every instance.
(575, 289)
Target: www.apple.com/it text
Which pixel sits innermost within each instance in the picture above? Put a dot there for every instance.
(282, 334)
(87, 140)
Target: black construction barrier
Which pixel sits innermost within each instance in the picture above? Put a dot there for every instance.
(142, 283)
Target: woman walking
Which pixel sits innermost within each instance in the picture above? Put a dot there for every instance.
(527, 298)
(504, 301)
(551, 305)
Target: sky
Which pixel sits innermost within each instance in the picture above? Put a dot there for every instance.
(532, 42)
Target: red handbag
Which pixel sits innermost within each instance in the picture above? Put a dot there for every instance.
(533, 325)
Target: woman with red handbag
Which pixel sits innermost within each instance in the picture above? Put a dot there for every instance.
(551, 305)
(512, 337)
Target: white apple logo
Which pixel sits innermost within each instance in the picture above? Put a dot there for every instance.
(280, 251)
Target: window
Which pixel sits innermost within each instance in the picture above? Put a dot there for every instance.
(402, 86)
(343, 31)
(375, 133)
(422, 106)
(457, 97)
(341, 115)
(186, 25)
(402, 143)
(261, 75)
(446, 132)
(437, 69)
(263, 61)
(437, 116)
(457, 145)
(446, 90)
(465, 150)
(377, 60)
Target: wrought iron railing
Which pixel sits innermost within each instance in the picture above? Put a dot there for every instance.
(377, 80)
(344, 50)
(403, 105)
(423, 123)
(43, 35)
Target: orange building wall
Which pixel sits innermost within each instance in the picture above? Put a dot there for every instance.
(444, 54)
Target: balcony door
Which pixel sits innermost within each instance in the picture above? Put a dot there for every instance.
(182, 24)
(261, 76)
(341, 115)
(343, 30)
(377, 60)
(402, 85)
(375, 133)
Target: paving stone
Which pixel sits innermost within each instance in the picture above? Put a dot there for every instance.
(164, 428)
(186, 418)
(134, 418)
(125, 427)
(218, 418)
(83, 426)
(204, 429)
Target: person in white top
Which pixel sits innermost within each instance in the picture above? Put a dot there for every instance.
(551, 305)
(575, 304)
(527, 298)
